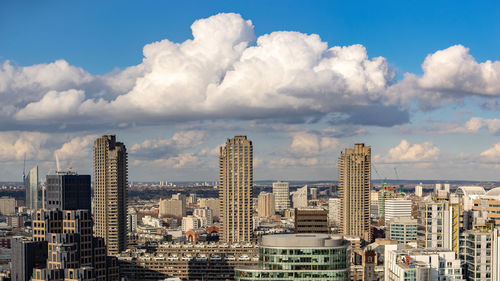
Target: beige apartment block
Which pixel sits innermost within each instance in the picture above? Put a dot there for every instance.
(110, 193)
(266, 205)
(355, 183)
(235, 190)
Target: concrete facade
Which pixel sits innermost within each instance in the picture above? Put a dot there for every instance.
(110, 193)
(354, 186)
(236, 190)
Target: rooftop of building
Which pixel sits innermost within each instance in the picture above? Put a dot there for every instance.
(302, 240)
(420, 251)
(403, 220)
(493, 194)
(470, 190)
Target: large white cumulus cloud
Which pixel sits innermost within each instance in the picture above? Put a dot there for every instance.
(224, 71)
(449, 76)
(405, 152)
(455, 69)
(220, 73)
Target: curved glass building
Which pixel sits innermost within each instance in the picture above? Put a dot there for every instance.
(299, 257)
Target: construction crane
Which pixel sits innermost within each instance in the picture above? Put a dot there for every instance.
(400, 185)
(384, 183)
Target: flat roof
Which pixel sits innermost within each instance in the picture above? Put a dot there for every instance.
(301, 240)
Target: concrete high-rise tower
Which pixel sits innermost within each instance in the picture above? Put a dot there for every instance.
(110, 193)
(235, 189)
(354, 186)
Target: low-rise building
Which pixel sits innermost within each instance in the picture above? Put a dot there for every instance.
(299, 257)
(187, 261)
(311, 221)
(403, 229)
(403, 263)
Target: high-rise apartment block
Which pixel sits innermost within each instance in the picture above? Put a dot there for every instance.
(265, 205)
(439, 223)
(68, 191)
(281, 191)
(236, 189)
(31, 187)
(354, 185)
(110, 193)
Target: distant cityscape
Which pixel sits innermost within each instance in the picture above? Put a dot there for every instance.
(101, 227)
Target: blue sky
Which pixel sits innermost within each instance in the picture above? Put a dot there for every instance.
(62, 63)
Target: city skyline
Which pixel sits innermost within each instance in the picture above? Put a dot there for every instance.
(425, 99)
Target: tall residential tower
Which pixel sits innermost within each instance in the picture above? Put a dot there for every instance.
(235, 189)
(110, 193)
(354, 186)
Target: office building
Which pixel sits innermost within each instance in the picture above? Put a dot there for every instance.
(334, 211)
(110, 193)
(71, 245)
(354, 185)
(7, 205)
(27, 255)
(265, 205)
(299, 198)
(311, 220)
(68, 191)
(236, 190)
(403, 229)
(468, 194)
(489, 205)
(403, 264)
(31, 187)
(173, 208)
(281, 191)
(397, 208)
(299, 257)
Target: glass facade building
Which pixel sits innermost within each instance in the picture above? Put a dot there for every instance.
(299, 257)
